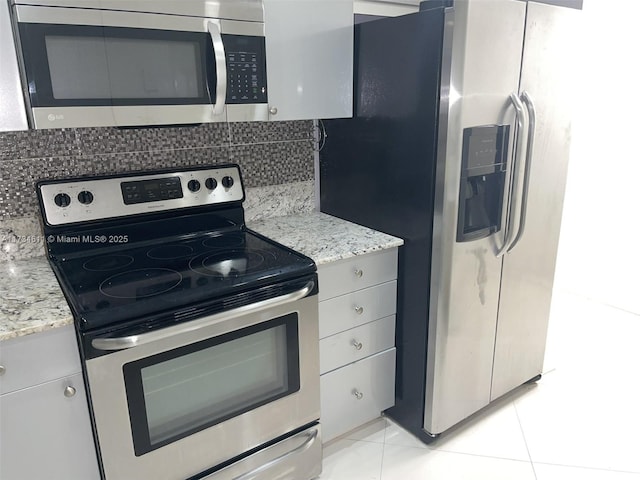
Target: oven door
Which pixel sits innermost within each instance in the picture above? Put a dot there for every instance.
(88, 68)
(176, 402)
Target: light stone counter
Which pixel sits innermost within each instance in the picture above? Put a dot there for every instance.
(322, 237)
(31, 299)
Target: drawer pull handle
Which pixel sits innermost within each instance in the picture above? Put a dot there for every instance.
(357, 394)
(358, 273)
(356, 344)
(2, 370)
(359, 310)
(69, 391)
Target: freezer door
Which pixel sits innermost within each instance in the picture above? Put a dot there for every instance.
(484, 70)
(528, 270)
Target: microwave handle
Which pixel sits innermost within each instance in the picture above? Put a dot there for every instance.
(122, 343)
(221, 68)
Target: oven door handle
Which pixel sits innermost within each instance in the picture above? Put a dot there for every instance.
(311, 437)
(122, 343)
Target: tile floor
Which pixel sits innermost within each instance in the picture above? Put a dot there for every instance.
(581, 421)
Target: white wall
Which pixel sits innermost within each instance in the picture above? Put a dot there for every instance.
(599, 254)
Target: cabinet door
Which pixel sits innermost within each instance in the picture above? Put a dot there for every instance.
(34, 359)
(45, 434)
(12, 114)
(354, 394)
(309, 58)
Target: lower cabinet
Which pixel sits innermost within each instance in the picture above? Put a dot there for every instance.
(45, 431)
(357, 337)
(354, 394)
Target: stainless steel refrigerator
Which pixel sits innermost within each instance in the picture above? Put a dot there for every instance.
(459, 145)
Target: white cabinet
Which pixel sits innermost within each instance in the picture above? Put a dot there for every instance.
(12, 111)
(357, 338)
(45, 431)
(356, 393)
(309, 47)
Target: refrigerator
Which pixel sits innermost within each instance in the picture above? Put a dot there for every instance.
(459, 145)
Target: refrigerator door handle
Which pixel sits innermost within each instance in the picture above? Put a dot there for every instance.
(521, 120)
(531, 110)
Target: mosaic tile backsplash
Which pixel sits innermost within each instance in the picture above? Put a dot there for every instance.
(268, 153)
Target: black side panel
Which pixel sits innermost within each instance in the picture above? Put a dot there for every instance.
(378, 170)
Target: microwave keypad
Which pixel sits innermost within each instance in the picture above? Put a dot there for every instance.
(246, 70)
(242, 77)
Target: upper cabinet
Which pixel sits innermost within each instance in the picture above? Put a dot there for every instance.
(309, 49)
(12, 113)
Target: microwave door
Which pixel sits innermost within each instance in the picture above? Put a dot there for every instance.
(104, 68)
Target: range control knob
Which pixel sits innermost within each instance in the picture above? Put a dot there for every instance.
(227, 182)
(85, 197)
(211, 183)
(62, 200)
(193, 185)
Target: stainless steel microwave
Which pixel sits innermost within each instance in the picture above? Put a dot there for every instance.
(88, 63)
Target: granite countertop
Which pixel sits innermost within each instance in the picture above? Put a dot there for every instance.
(324, 238)
(31, 299)
(33, 302)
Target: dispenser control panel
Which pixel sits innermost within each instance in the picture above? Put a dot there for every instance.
(482, 181)
(485, 146)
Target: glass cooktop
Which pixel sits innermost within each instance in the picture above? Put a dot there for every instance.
(131, 281)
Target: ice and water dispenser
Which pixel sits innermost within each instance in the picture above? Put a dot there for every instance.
(482, 181)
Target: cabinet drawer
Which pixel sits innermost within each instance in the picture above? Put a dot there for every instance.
(38, 358)
(357, 343)
(357, 393)
(356, 273)
(357, 308)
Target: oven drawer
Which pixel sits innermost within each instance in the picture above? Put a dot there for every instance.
(357, 343)
(38, 358)
(357, 393)
(357, 273)
(357, 308)
(299, 456)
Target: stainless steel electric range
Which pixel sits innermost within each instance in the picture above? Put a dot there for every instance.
(199, 337)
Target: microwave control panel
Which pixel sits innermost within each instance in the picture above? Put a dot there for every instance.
(246, 69)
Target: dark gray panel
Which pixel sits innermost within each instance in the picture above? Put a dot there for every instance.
(362, 18)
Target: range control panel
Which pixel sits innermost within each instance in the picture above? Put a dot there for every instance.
(90, 199)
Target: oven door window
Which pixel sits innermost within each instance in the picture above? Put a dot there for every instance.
(179, 392)
(73, 65)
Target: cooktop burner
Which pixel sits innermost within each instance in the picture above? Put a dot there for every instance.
(106, 263)
(167, 252)
(228, 263)
(142, 283)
